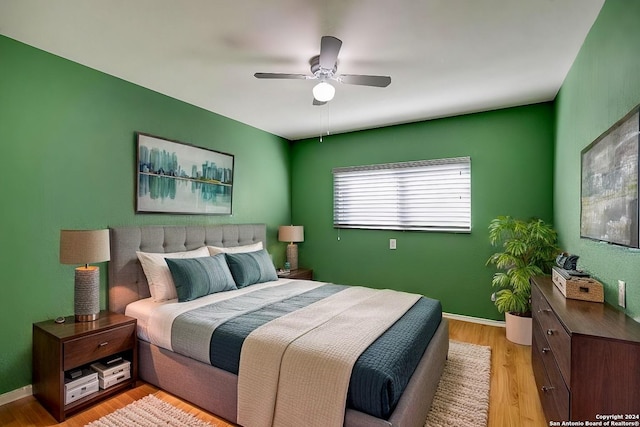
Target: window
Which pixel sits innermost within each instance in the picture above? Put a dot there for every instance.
(427, 195)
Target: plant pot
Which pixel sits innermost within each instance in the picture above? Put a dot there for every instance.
(519, 329)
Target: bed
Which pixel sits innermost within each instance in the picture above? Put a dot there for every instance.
(215, 389)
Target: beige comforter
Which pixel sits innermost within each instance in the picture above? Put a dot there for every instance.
(295, 370)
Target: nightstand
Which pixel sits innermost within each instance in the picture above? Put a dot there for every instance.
(300, 273)
(62, 347)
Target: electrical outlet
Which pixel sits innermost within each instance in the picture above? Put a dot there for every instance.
(392, 243)
(622, 293)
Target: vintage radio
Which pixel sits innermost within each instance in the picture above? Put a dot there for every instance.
(577, 287)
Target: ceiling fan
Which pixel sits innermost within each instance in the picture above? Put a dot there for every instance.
(324, 68)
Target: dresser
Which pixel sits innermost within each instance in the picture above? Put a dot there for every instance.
(585, 356)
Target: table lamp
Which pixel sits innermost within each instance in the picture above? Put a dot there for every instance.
(291, 234)
(85, 247)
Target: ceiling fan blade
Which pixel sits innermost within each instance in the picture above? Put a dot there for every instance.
(363, 80)
(329, 49)
(316, 102)
(280, 76)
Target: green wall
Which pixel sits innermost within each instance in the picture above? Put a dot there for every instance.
(68, 161)
(511, 174)
(67, 135)
(602, 86)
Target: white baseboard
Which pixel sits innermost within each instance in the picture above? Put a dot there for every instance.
(16, 394)
(489, 322)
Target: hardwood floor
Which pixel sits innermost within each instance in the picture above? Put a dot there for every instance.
(513, 398)
(28, 412)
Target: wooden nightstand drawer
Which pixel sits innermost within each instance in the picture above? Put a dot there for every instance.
(93, 347)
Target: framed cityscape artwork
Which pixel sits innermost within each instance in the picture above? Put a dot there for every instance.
(178, 178)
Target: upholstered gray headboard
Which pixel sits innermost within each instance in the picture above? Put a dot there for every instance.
(127, 282)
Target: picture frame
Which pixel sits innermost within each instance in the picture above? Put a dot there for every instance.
(609, 206)
(179, 178)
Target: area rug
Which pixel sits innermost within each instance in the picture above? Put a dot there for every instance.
(149, 412)
(462, 398)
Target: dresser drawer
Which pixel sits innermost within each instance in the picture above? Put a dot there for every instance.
(557, 337)
(554, 394)
(87, 349)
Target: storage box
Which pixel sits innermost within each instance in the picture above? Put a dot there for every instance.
(110, 374)
(104, 369)
(83, 386)
(581, 288)
(111, 380)
(86, 376)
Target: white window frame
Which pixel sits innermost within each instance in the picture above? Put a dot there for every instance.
(425, 195)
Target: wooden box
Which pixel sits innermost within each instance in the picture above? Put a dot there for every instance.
(581, 288)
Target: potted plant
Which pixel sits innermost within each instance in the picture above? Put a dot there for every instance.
(528, 249)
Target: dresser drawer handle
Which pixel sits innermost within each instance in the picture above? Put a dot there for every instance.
(546, 388)
(545, 349)
(550, 332)
(103, 344)
(544, 310)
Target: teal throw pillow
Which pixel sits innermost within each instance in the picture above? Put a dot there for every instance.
(197, 277)
(249, 268)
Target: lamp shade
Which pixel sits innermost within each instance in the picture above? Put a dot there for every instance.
(291, 233)
(84, 246)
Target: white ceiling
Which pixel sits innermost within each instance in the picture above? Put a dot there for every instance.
(445, 57)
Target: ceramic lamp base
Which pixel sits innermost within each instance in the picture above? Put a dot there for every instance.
(87, 294)
(292, 255)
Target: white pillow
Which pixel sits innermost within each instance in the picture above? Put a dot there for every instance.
(215, 250)
(161, 284)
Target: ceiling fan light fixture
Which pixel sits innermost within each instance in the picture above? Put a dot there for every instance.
(324, 67)
(323, 92)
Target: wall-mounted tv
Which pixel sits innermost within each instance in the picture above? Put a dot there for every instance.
(609, 190)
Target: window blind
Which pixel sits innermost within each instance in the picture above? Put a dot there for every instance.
(427, 195)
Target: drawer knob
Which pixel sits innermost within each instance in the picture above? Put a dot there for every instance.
(550, 331)
(545, 349)
(103, 344)
(546, 388)
(544, 310)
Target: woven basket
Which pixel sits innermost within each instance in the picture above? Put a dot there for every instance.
(582, 288)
